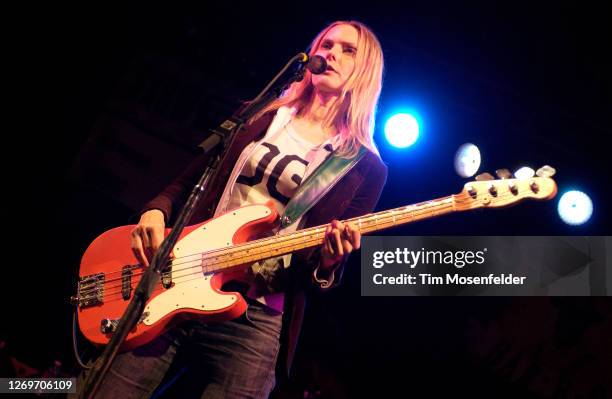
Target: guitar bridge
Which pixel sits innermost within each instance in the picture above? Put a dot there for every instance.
(90, 291)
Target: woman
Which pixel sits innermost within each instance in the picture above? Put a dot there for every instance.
(325, 114)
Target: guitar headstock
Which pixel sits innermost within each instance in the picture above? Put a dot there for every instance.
(489, 193)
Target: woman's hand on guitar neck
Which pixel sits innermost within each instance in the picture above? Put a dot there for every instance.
(148, 235)
(340, 240)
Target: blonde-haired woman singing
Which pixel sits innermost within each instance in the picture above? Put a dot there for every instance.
(328, 115)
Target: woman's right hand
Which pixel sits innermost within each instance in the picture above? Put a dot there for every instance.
(148, 235)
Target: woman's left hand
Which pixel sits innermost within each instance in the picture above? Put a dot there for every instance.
(340, 240)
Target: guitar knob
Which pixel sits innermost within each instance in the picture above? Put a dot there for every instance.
(108, 326)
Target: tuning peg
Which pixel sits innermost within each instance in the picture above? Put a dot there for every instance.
(503, 173)
(471, 190)
(493, 189)
(512, 187)
(484, 177)
(524, 173)
(546, 171)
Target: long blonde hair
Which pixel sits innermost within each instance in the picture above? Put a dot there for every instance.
(361, 92)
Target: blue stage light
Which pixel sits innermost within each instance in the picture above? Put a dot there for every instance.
(575, 207)
(402, 130)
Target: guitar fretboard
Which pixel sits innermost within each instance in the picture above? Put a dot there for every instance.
(283, 244)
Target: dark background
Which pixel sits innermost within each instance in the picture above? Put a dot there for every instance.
(113, 100)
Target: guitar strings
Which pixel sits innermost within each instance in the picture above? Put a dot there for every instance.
(200, 265)
(442, 204)
(382, 219)
(257, 243)
(279, 238)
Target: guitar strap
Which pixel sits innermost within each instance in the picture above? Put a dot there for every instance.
(317, 185)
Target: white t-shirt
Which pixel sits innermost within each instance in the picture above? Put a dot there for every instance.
(274, 170)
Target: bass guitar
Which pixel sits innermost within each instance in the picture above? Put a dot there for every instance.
(211, 253)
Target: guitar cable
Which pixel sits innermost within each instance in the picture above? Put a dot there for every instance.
(74, 341)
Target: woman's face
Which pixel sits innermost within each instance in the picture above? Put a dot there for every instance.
(338, 47)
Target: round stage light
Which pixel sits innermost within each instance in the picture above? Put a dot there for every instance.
(575, 207)
(467, 160)
(402, 130)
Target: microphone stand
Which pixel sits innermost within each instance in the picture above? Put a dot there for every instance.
(216, 144)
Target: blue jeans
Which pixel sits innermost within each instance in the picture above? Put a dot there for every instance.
(233, 359)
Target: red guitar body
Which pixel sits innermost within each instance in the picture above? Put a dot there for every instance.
(109, 273)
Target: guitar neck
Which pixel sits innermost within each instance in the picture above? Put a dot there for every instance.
(283, 244)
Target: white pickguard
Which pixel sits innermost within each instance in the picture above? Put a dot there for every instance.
(192, 289)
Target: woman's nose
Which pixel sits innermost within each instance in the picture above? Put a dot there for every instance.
(332, 53)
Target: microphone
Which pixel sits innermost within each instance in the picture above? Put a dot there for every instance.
(315, 64)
